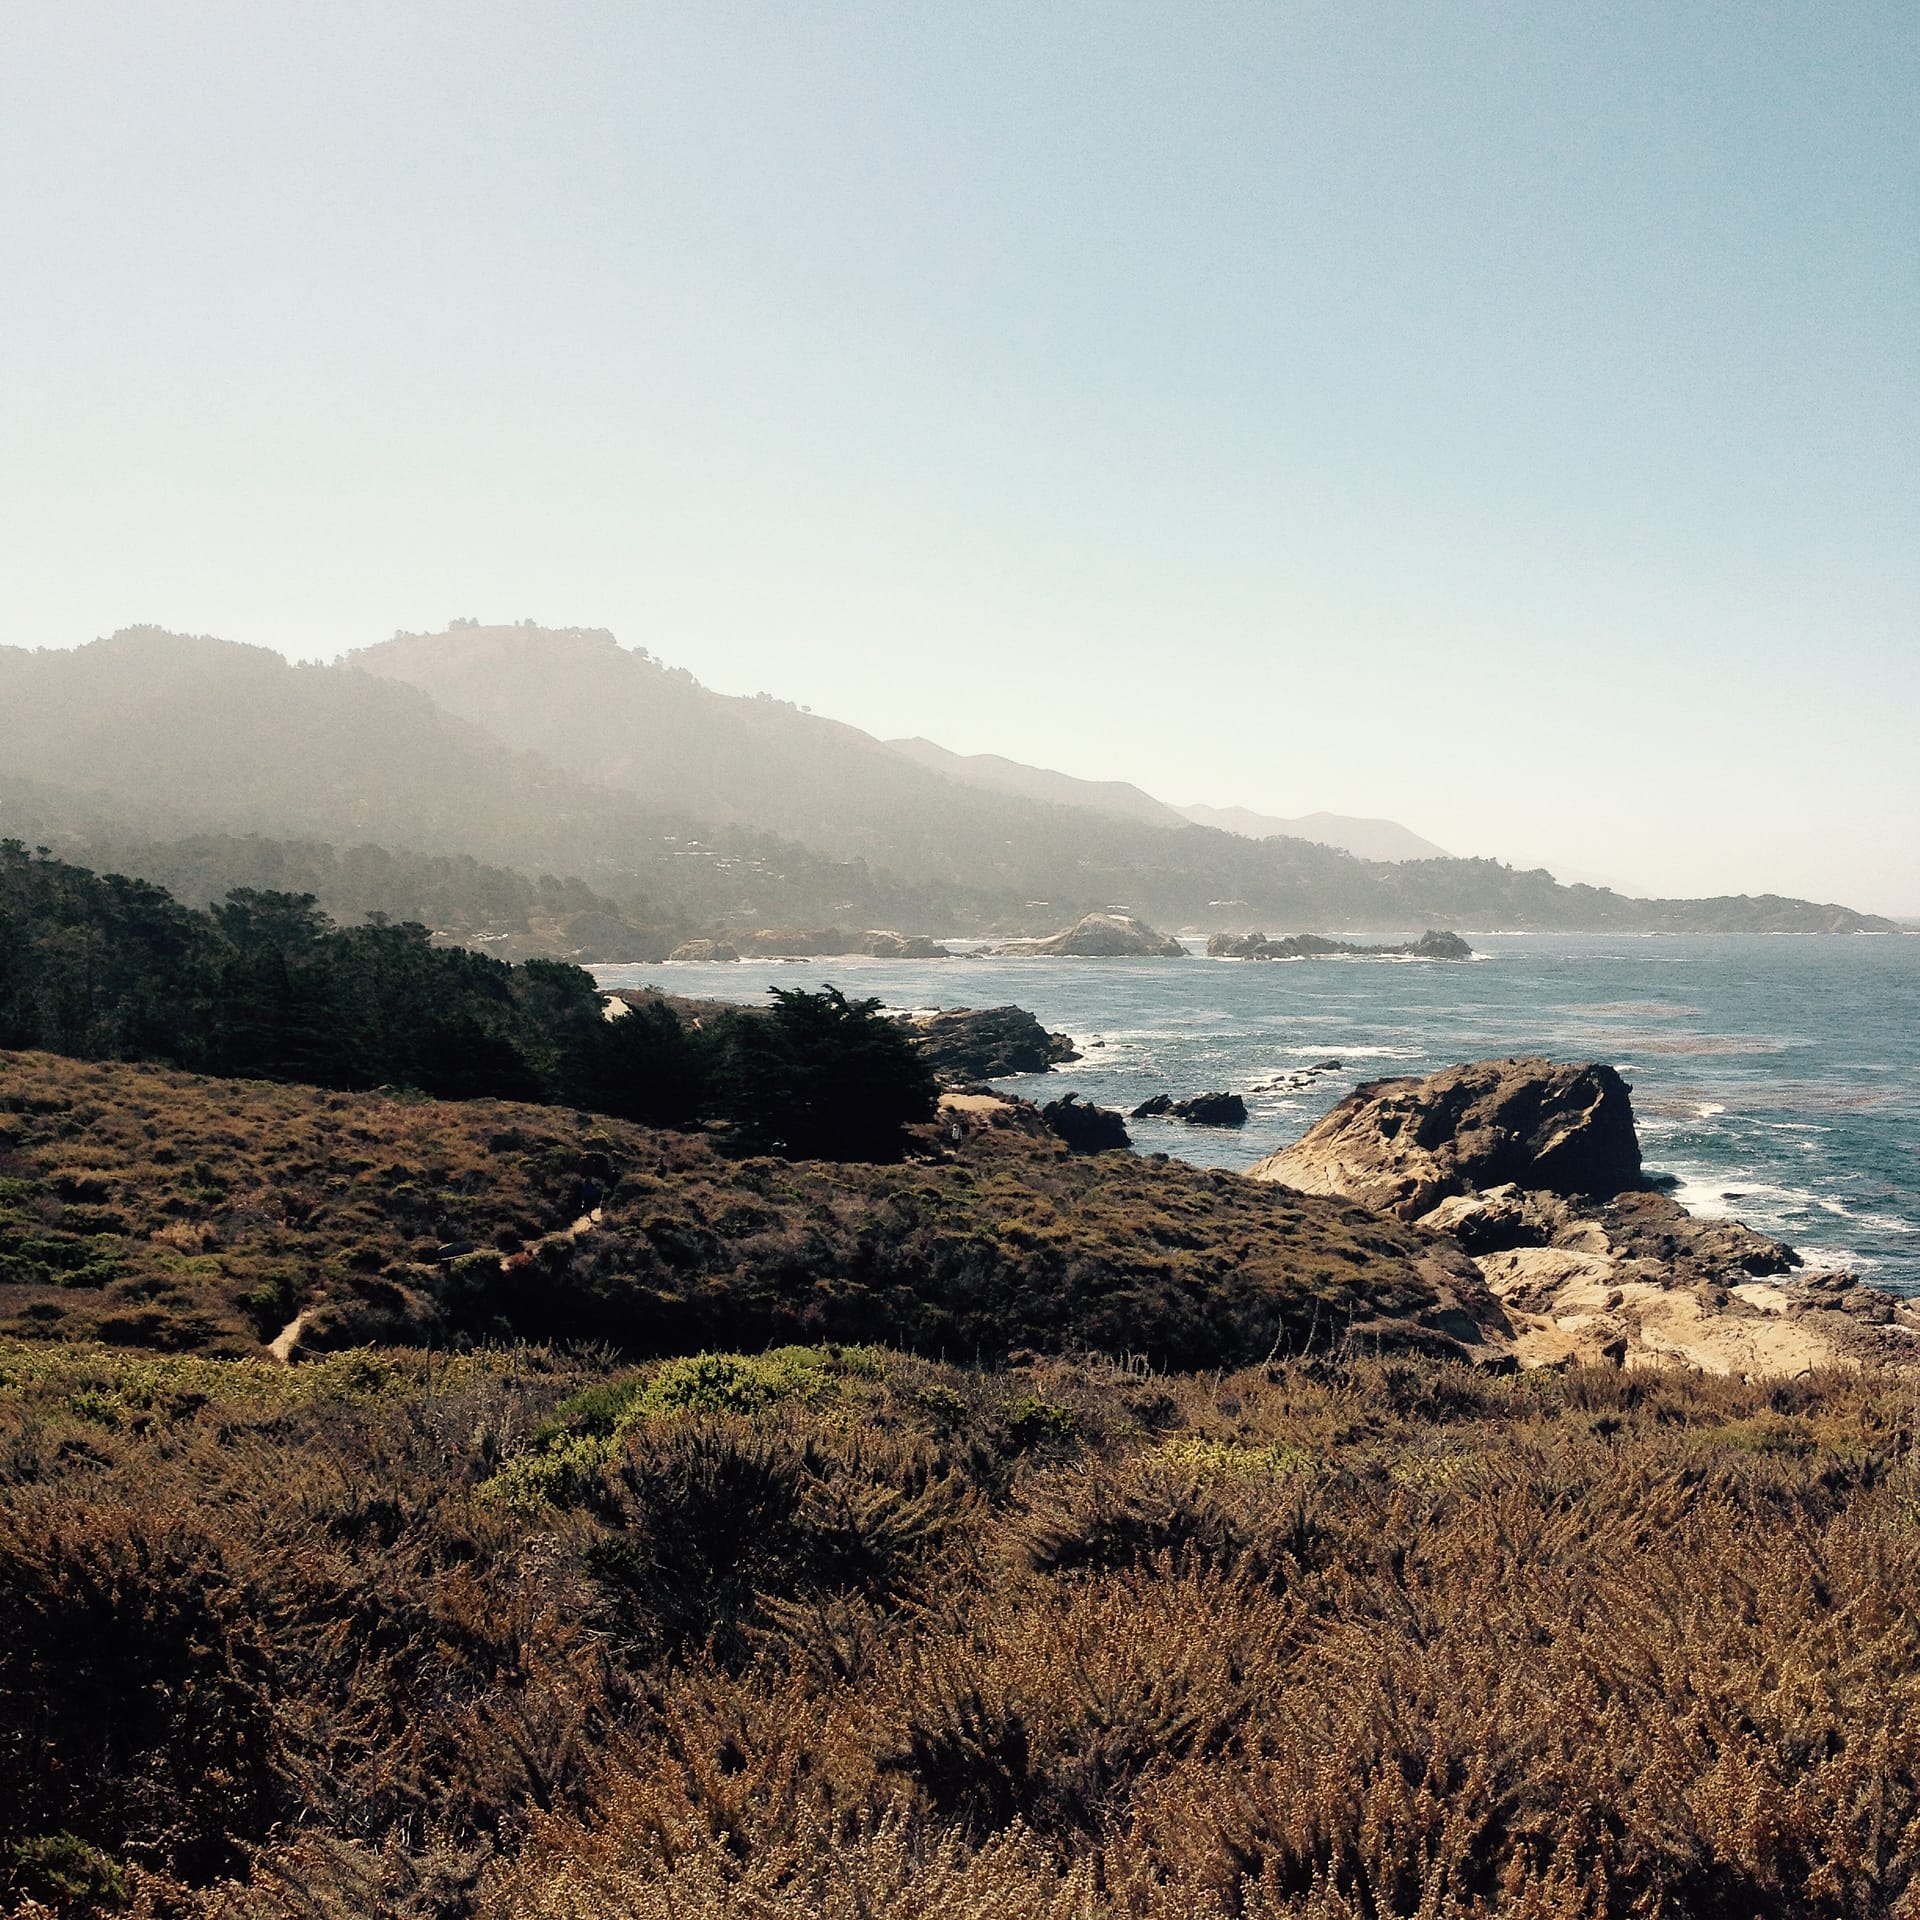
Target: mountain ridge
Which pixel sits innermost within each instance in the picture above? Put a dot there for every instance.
(561, 752)
(998, 774)
(1364, 836)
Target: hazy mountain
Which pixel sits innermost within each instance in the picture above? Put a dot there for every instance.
(616, 716)
(564, 754)
(151, 737)
(1368, 839)
(998, 775)
(620, 718)
(196, 732)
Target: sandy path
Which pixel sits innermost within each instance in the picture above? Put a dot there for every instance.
(282, 1344)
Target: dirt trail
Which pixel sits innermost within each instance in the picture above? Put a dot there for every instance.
(586, 1223)
(282, 1344)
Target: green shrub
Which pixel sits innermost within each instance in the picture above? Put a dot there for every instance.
(62, 1870)
(1028, 1423)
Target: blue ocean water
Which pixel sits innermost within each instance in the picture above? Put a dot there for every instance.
(1777, 1079)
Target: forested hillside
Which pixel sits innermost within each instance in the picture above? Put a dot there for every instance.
(509, 914)
(264, 986)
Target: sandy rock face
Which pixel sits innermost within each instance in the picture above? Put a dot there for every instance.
(1404, 1146)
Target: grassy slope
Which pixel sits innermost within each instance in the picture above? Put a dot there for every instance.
(155, 1208)
(840, 1632)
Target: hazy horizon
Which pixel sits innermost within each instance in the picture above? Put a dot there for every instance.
(1500, 423)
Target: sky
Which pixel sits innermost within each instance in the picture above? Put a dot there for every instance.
(1502, 418)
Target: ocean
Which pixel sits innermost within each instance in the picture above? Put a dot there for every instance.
(1777, 1079)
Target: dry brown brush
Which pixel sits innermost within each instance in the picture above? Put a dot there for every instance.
(843, 1632)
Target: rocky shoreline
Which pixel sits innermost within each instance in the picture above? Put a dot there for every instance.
(1523, 1174)
(1532, 1171)
(1525, 1177)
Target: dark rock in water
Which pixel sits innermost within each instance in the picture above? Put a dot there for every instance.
(882, 945)
(1315, 946)
(1203, 1110)
(704, 950)
(987, 1043)
(1237, 946)
(1085, 1129)
(1649, 1226)
(786, 943)
(1403, 1146)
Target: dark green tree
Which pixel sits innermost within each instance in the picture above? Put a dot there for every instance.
(645, 1066)
(822, 1077)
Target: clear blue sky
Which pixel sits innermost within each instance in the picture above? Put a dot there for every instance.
(1504, 418)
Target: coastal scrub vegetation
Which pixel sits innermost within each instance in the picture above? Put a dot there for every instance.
(149, 1207)
(841, 1631)
(697, 1490)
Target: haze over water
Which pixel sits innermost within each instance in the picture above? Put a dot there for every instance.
(1778, 1079)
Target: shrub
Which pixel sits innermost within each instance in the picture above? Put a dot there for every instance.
(60, 1869)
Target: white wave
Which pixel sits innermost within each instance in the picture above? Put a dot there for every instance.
(1835, 1260)
(1332, 1049)
(1726, 1196)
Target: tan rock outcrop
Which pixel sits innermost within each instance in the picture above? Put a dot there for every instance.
(1403, 1146)
(1533, 1171)
(1102, 936)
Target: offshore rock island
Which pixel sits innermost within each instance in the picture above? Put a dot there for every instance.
(1313, 946)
